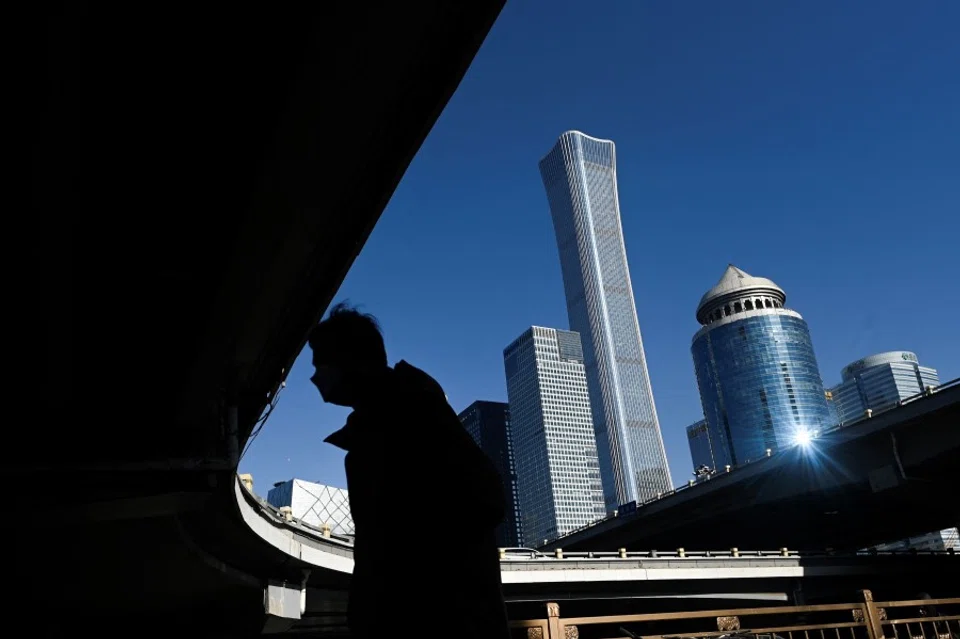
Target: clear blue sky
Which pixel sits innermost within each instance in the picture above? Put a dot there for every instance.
(816, 143)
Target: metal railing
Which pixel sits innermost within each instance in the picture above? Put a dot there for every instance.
(864, 619)
(530, 554)
(730, 469)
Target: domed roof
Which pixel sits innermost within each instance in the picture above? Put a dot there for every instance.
(736, 281)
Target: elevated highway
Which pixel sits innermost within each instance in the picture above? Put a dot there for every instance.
(595, 581)
(880, 479)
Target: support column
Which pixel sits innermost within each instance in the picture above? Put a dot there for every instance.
(283, 604)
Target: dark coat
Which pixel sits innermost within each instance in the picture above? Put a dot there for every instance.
(425, 501)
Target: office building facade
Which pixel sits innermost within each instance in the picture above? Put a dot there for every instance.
(832, 409)
(489, 425)
(880, 381)
(701, 452)
(580, 178)
(558, 474)
(759, 382)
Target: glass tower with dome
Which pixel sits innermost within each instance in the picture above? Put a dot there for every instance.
(760, 385)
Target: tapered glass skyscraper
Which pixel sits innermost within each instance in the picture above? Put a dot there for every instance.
(580, 177)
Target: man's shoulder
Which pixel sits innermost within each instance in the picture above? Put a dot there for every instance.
(416, 384)
(410, 374)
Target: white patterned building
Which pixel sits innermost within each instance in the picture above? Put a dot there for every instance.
(314, 504)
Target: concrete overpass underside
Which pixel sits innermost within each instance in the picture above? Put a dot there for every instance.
(203, 180)
(882, 479)
(608, 583)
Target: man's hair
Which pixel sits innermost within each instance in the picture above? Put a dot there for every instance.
(347, 335)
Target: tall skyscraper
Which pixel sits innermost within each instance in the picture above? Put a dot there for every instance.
(880, 381)
(759, 382)
(580, 177)
(701, 452)
(489, 425)
(558, 475)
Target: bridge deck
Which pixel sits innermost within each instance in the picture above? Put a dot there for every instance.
(881, 479)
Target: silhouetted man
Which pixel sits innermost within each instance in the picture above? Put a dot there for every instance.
(425, 500)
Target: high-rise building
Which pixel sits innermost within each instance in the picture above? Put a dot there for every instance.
(832, 409)
(701, 453)
(880, 381)
(759, 382)
(489, 425)
(580, 178)
(314, 504)
(558, 475)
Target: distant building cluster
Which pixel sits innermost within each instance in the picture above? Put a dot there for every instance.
(582, 436)
(579, 436)
(760, 385)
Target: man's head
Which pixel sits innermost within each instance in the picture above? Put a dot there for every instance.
(348, 355)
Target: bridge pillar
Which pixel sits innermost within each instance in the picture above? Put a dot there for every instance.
(283, 604)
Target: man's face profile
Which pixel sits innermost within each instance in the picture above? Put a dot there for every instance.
(331, 383)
